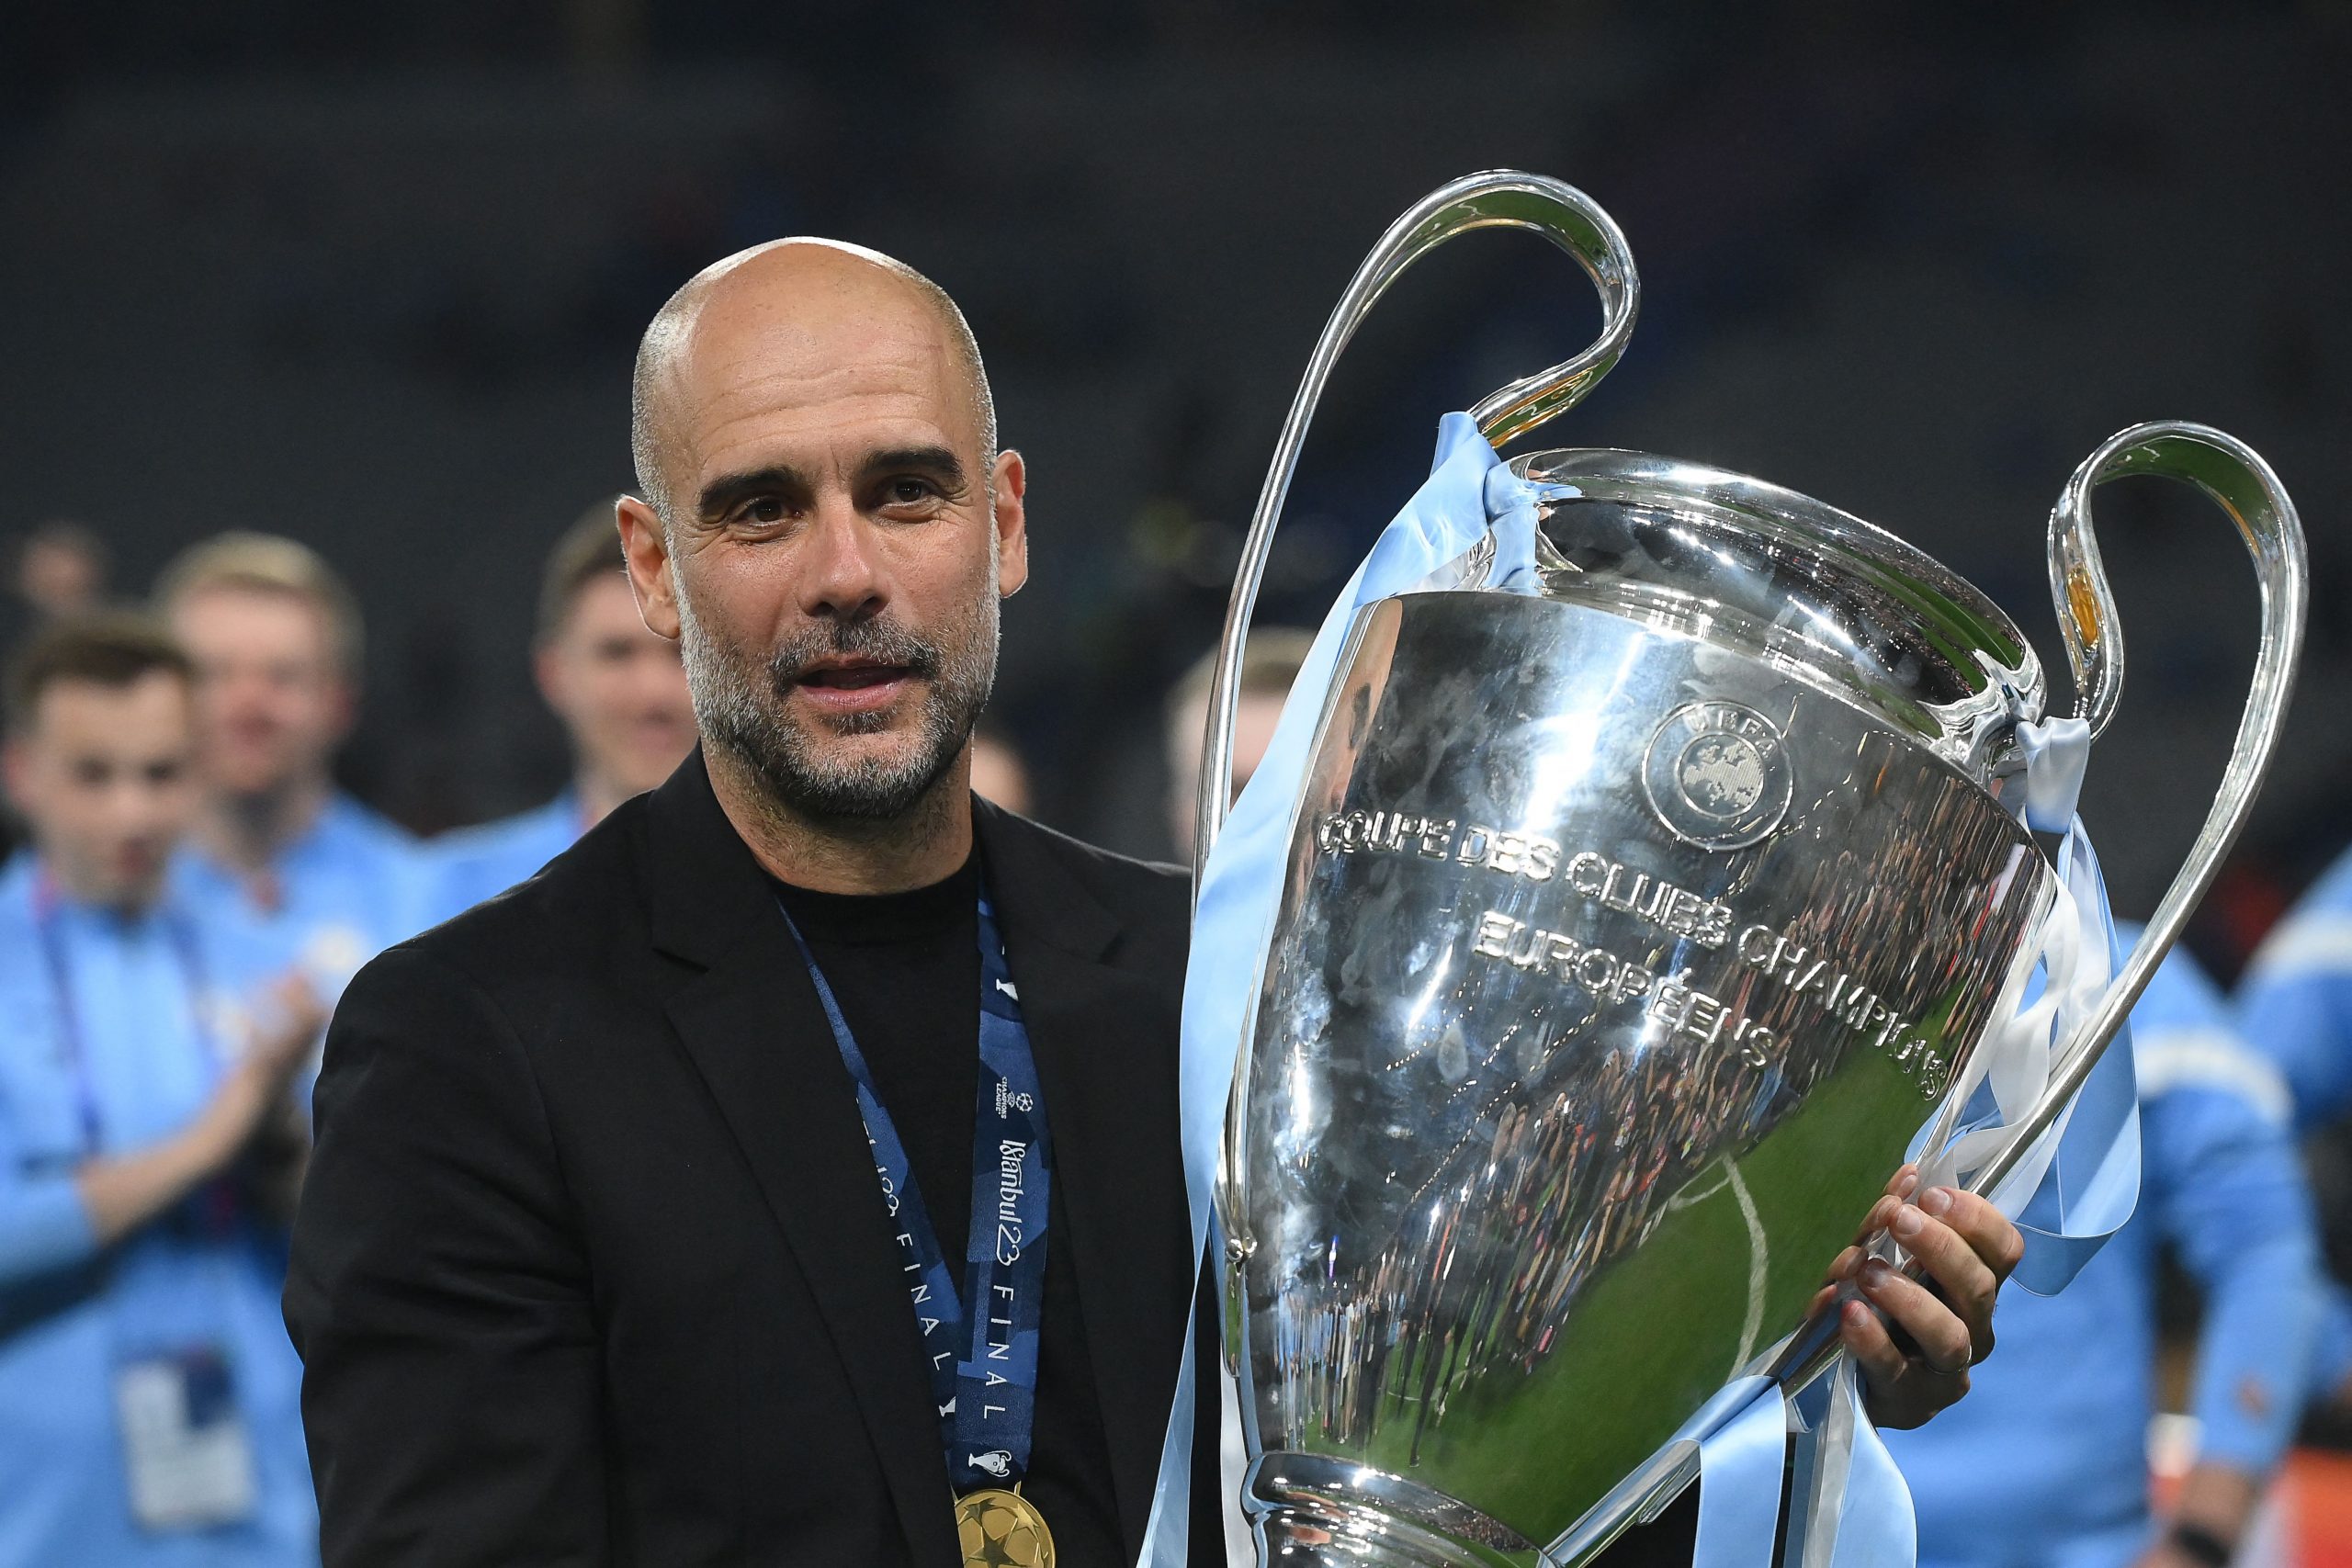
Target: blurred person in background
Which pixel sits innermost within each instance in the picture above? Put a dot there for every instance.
(2295, 1003)
(2044, 1465)
(318, 879)
(998, 771)
(149, 1406)
(621, 693)
(60, 572)
(1271, 661)
(2295, 1006)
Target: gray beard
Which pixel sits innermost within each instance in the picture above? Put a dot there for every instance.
(740, 700)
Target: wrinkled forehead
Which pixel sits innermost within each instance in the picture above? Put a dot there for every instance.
(774, 373)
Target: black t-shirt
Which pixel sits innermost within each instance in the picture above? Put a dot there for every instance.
(906, 969)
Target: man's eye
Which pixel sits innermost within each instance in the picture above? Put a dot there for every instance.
(912, 492)
(766, 509)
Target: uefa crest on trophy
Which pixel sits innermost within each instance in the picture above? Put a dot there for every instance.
(1652, 885)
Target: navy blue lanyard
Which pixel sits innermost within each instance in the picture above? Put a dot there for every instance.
(983, 1348)
(46, 905)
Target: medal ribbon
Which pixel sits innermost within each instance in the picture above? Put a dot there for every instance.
(982, 1347)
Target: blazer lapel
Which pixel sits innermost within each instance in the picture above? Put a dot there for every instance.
(754, 1030)
(1105, 1043)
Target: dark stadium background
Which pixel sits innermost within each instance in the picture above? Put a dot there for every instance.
(371, 275)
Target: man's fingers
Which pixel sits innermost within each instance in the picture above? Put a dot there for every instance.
(1904, 1391)
(1987, 1231)
(1962, 1279)
(1865, 1338)
(1915, 1357)
(1898, 1187)
(1946, 1343)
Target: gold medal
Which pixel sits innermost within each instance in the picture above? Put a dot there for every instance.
(1003, 1529)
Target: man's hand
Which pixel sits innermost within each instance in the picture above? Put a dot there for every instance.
(1965, 1247)
(253, 1089)
(277, 1155)
(121, 1194)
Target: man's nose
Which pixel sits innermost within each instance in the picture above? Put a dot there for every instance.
(131, 808)
(841, 577)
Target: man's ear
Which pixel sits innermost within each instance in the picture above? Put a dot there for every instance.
(1012, 523)
(648, 555)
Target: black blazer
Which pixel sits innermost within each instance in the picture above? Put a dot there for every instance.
(590, 1268)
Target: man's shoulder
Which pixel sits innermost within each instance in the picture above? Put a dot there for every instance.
(489, 857)
(20, 933)
(494, 835)
(345, 824)
(19, 874)
(2311, 947)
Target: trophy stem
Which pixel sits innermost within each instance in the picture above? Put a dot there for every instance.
(1317, 1512)
(1294, 1536)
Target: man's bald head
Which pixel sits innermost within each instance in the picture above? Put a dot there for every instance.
(784, 283)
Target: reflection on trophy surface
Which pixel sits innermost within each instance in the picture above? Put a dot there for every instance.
(1632, 930)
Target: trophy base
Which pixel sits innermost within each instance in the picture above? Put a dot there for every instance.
(1317, 1512)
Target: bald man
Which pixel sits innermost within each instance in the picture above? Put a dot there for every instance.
(788, 1173)
(796, 1155)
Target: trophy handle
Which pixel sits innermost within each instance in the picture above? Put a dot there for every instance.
(1499, 198)
(2234, 475)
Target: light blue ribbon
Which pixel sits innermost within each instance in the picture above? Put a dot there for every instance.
(1743, 1434)
(2057, 752)
(2092, 1183)
(1877, 1527)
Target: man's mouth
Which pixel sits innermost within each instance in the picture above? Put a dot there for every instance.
(845, 686)
(853, 675)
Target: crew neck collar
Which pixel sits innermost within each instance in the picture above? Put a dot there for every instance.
(860, 920)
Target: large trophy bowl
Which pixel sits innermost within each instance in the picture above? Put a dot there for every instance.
(1632, 930)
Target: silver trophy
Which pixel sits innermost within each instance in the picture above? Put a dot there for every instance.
(1630, 933)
